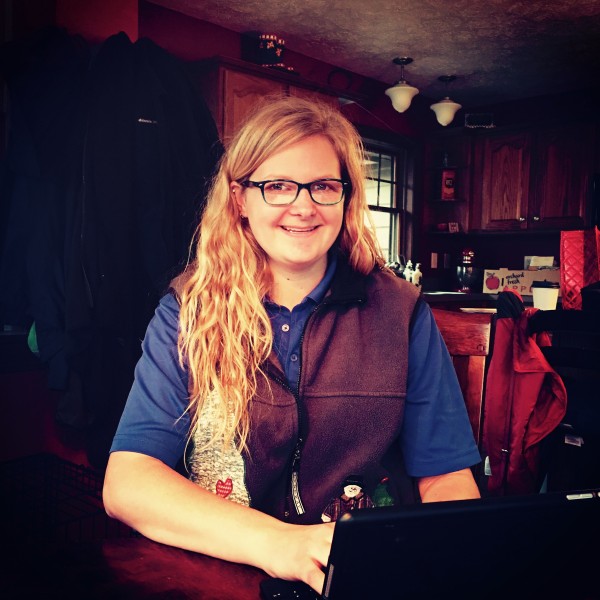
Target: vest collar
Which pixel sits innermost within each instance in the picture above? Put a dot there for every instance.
(348, 286)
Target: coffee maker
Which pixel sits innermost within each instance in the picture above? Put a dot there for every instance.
(469, 278)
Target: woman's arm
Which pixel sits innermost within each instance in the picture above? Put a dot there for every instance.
(168, 508)
(459, 485)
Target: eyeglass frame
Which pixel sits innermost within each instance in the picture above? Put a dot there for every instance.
(247, 183)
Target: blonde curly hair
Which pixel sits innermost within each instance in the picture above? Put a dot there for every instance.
(225, 334)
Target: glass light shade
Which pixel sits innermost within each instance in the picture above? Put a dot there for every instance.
(445, 110)
(401, 95)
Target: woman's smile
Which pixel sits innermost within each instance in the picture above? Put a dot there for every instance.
(299, 230)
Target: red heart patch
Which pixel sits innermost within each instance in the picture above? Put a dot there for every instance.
(224, 488)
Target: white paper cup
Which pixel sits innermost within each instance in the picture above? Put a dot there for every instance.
(545, 295)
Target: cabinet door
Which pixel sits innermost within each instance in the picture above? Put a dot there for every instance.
(241, 93)
(313, 95)
(505, 182)
(563, 162)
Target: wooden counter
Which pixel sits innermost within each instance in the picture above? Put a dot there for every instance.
(456, 300)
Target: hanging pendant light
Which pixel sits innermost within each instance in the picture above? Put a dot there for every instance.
(401, 93)
(445, 109)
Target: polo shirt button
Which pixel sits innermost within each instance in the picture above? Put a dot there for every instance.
(294, 357)
(285, 327)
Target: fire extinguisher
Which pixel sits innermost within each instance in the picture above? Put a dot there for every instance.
(448, 179)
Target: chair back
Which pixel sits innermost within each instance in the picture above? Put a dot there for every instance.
(467, 337)
(575, 350)
(571, 454)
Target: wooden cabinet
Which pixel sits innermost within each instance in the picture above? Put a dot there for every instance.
(233, 88)
(241, 93)
(311, 94)
(505, 167)
(564, 163)
(533, 180)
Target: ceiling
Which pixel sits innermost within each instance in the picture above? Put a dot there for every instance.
(499, 50)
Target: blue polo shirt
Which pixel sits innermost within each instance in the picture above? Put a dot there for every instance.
(288, 325)
(436, 434)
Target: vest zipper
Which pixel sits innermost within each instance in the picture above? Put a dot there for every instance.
(297, 500)
(294, 495)
(295, 469)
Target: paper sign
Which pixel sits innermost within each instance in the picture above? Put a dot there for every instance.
(501, 280)
(541, 261)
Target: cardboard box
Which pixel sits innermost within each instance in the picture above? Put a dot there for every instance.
(500, 280)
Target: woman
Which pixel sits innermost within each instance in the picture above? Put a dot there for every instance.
(285, 360)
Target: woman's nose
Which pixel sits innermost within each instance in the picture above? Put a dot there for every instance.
(303, 203)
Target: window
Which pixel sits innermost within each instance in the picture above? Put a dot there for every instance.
(389, 195)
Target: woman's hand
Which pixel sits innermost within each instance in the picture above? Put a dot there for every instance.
(300, 552)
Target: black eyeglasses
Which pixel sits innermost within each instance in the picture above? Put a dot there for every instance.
(281, 192)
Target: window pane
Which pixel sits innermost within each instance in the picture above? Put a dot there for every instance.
(386, 191)
(385, 229)
(380, 184)
(386, 171)
(372, 164)
(372, 191)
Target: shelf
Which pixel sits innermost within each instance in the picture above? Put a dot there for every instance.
(447, 233)
(450, 167)
(497, 233)
(294, 78)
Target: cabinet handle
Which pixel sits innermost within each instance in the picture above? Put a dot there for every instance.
(521, 219)
(536, 218)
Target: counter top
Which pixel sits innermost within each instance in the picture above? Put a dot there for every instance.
(457, 299)
(460, 299)
(458, 296)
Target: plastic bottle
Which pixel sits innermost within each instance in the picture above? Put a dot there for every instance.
(381, 496)
(408, 270)
(417, 275)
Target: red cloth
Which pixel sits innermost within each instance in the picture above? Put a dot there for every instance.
(525, 400)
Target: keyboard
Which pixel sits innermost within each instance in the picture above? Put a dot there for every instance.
(280, 589)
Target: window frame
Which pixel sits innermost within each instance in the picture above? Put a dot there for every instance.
(403, 150)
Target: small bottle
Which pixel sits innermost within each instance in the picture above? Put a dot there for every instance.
(408, 271)
(417, 275)
(381, 495)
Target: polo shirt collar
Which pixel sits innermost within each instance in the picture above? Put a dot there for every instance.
(318, 293)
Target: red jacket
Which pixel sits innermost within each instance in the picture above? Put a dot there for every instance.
(525, 400)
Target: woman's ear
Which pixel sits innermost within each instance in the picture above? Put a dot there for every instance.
(239, 197)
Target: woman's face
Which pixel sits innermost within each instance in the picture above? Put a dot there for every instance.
(296, 237)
